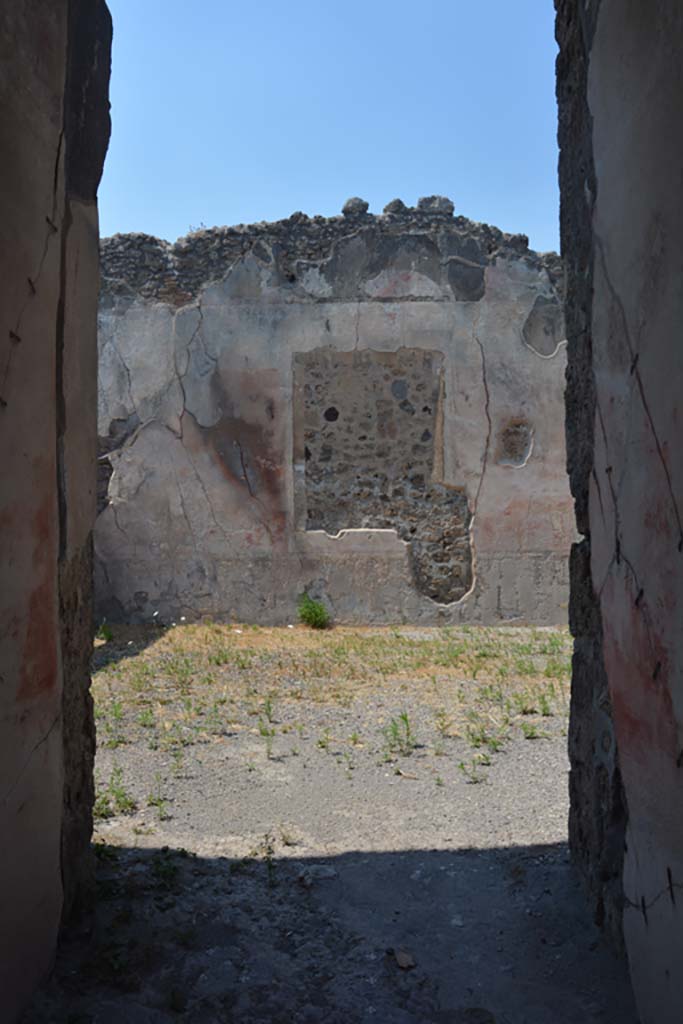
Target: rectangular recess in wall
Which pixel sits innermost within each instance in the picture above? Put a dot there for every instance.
(367, 442)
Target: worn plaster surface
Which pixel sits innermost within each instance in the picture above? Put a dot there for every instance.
(366, 407)
(54, 127)
(625, 453)
(636, 491)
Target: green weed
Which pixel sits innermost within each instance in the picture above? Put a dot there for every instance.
(113, 799)
(268, 734)
(155, 799)
(399, 735)
(313, 613)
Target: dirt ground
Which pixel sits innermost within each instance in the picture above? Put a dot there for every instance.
(345, 825)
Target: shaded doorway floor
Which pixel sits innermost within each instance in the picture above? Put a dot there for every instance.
(344, 825)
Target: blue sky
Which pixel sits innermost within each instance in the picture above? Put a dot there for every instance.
(233, 112)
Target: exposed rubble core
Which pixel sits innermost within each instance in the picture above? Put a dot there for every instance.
(365, 407)
(371, 427)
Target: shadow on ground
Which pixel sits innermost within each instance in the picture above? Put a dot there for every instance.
(123, 642)
(407, 937)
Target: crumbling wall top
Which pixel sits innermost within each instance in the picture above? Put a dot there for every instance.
(174, 272)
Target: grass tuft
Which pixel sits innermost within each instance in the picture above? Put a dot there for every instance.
(313, 613)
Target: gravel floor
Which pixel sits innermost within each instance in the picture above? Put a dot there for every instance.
(356, 825)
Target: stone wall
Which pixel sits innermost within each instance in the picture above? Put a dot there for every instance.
(620, 88)
(54, 126)
(365, 407)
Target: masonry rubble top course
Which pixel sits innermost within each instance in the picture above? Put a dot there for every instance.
(176, 271)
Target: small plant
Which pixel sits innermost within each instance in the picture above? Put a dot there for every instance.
(399, 735)
(175, 736)
(443, 723)
(532, 732)
(313, 613)
(544, 705)
(323, 742)
(112, 720)
(146, 718)
(471, 772)
(287, 838)
(525, 703)
(268, 708)
(439, 781)
(492, 694)
(143, 830)
(220, 657)
(477, 735)
(114, 798)
(139, 676)
(552, 645)
(354, 738)
(349, 763)
(105, 633)
(496, 743)
(178, 758)
(556, 669)
(268, 734)
(155, 799)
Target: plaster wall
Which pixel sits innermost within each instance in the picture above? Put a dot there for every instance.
(630, 504)
(635, 94)
(54, 127)
(204, 350)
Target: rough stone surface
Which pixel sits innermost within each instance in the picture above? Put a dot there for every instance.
(436, 204)
(54, 127)
(355, 207)
(371, 423)
(597, 817)
(395, 206)
(228, 485)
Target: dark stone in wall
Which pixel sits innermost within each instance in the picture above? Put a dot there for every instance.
(371, 465)
(598, 815)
